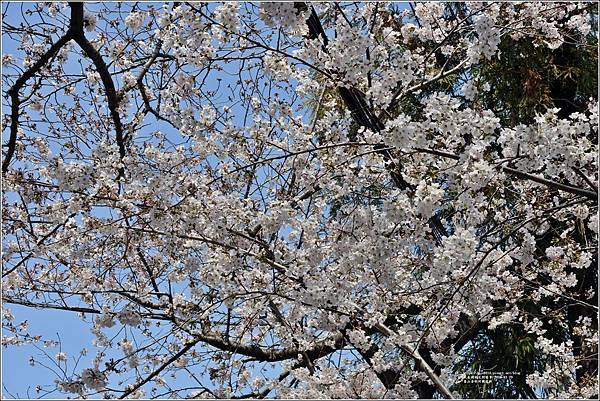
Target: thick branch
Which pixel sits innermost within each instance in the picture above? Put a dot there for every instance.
(218, 342)
(13, 92)
(319, 350)
(553, 184)
(109, 86)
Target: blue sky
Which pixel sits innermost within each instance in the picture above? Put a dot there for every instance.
(19, 376)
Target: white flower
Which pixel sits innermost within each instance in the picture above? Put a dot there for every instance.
(504, 318)
(554, 252)
(181, 362)
(581, 211)
(93, 77)
(116, 49)
(359, 339)
(428, 198)
(135, 20)
(470, 90)
(185, 82)
(133, 361)
(89, 21)
(277, 67)
(129, 317)
(408, 31)
(105, 319)
(61, 356)
(455, 255)
(52, 9)
(127, 347)
(488, 39)
(593, 223)
(284, 13)
(93, 379)
(129, 80)
(75, 387)
(227, 15)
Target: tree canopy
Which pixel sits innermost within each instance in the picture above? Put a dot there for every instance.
(304, 200)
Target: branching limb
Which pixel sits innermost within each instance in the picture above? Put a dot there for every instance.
(109, 86)
(13, 93)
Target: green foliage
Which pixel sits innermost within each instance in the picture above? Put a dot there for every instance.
(508, 352)
(527, 79)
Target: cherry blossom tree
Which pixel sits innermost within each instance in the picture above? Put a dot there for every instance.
(305, 200)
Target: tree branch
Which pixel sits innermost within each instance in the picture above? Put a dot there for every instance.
(553, 184)
(162, 367)
(90, 51)
(13, 93)
(592, 195)
(421, 364)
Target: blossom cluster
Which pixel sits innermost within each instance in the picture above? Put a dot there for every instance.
(337, 207)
